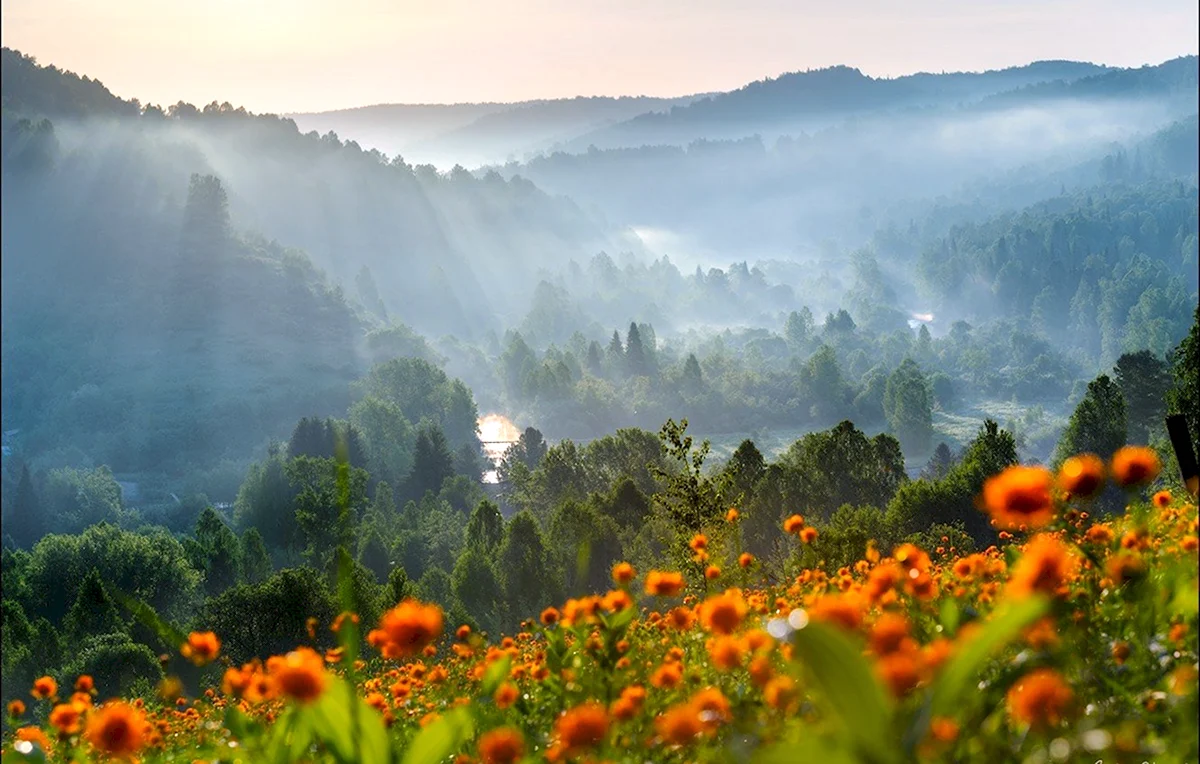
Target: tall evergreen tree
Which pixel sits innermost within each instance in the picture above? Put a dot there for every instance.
(1144, 380)
(1098, 423)
(635, 353)
(485, 528)
(432, 463)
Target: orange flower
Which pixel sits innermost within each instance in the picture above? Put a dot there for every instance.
(66, 718)
(44, 687)
(732, 516)
(664, 584)
(1120, 652)
(581, 727)
(623, 573)
(1099, 534)
(1124, 567)
(35, 735)
(698, 542)
(843, 610)
(712, 706)
(300, 674)
(723, 613)
(712, 572)
(1019, 497)
(463, 633)
(746, 559)
(1081, 475)
(1162, 499)
(505, 695)
(501, 746)
(117, 729)
(549, 616)
(889, 633)
(780, 692)
(726, 652)
(406, 629)
(943, 729)
(16, 708)
(667, 676)
(201, 647)
(1040, 699)
(900, 671)
(1135, 465)
(680, 724)
(808, 535)
(793, 524)
(681, 618)
(1046, 566)
(85, 683)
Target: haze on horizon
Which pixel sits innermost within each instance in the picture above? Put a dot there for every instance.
(315, 55)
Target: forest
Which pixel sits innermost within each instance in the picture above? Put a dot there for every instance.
(788, 339)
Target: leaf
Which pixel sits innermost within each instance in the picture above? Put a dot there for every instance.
(171, 636)
(496, 673)
(349, 726)
(846, 680)
(290, 738)
(443, 737)
(968, 662)
(809, 748)
(617, 622)
(949, 617)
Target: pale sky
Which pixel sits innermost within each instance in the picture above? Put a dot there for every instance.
(309, 55)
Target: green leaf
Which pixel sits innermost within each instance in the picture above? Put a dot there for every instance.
(291, 736)
(805, 749)
(617, 622)
(949, 617)
(496, 673)
(969, 661)
(348, 634)
(846, 680)
(443, 737)
(349, 726)
(172, 637)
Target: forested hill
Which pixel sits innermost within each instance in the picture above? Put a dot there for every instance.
(467, 246)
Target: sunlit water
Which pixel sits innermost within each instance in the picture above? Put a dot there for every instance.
(498, 433)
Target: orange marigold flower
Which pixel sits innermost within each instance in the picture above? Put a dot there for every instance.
(66, 718)
(85, 683)
(624, 709)
(117, 729)
(463, 633)
(1046, 566)
(582, 727)
(780, 692)
(889, 633)
(300, 674)
(505, 695)
(732, 516)
(623, 573)
(681, 618)
(16, 708)
(1135, 465)
(698, 542)
(35, 735)
(911, 557)
(793, 524)
(1040, 699)
(943, 729)
(679, 725)
(505, 745)
(667, 676)
(549, 616)
(1162, 499)
(808, 535)
(406, 629)
(1099, 534)
(1042, 634)
(725, 652)
(1019, 497)
(1189, 544)
(1125, 566)
(723, 613)
(843, 610)
(1081, 475)
(712, 705)
(44, 687)
(201, 647)
(664, 584)
(745, 559)
(1178, 632)
(712, 572)
(900, 671)
(1120, 652)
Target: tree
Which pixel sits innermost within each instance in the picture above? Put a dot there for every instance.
(523, 564)
(25, 523)
(1184, 395)
(907, 407)
(92, 613)
(586, 545)
(77, 499)
(625, 503)
(221, 552)
(270, 618)
(398, 586)
(1144, 380)
(432, 463)
(689, 497)
(388, 438)
(476, 586)
(374, 556)
(692, 380)
(635, 353)
(329, 497)
(115, 663)
(745, 469)
(843, 466)
(798, 328)
(939, 464)
(266, 501)
(485, 528)
(256, 563)
(1098, 424)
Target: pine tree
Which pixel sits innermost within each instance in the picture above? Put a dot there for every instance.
(432, 463)
(93, 612)
(635, 353)
(256, 563)
(485, 528)
(26, 523)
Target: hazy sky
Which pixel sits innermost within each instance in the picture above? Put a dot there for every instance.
(306, 55)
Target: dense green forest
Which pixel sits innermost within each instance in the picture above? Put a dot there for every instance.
(218, 330)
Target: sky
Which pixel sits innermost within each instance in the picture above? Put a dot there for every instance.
(289, 56)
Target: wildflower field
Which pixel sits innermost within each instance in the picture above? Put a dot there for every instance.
(1076, 640)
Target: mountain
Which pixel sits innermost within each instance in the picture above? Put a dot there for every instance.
(475, 134)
